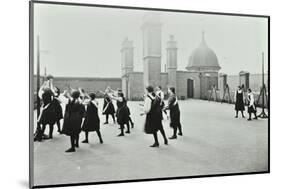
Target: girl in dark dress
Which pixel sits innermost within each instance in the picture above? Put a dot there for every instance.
(122, 112)
(153, 112)
(108, 108)
(239, 103)
(73, 118)
(92, 120)
(58, 108)
(173, 106)
(48, 113)
(251, 105)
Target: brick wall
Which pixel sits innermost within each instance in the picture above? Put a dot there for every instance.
(88, 84)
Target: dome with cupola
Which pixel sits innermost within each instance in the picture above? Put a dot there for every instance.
(203, 58)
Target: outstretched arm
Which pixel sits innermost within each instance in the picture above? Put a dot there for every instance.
(171, 103)
(120, 99)
(41, 90)
(146, 106)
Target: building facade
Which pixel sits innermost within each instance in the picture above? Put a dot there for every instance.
(200, 75)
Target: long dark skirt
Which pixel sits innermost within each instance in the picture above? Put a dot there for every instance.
(110, 108)
(152, 124)
(239, 105)
(122, 115)
(58, 110)
(48, 116)
(92, 120)
(175, 118)
(73, 119)
(251, 109)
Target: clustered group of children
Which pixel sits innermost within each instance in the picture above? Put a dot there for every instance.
(81, 113)
(240, 102)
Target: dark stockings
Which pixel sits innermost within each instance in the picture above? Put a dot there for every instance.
(122, 130)
(128, 127)
(131, 122)
(250, 116)
(87, 137)
(164, 136)
(74, 140)
(51, 131)
(58, 124)
(107, 116)
(175, 131)
(156, 143)
(99, 135)
(51, 128)
(242, 112)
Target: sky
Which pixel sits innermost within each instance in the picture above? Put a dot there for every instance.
(78, 41)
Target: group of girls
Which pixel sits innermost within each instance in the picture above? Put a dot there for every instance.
(122, 112)
(154, 107)
(240, 105)
(81, 113)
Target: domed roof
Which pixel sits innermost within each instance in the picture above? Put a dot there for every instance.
(203, 58)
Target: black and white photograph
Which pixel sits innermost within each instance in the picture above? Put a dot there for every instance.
(122, 94)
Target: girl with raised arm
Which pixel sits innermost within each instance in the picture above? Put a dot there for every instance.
(48, 113)
(122, 113)
(108, 107)
(73, 119)
(92, 120)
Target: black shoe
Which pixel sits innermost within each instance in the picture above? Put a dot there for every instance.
(127, 132)
(236, 116)
(173, 137)
(180, 133)
(121, 134)
(77, 145)
(256, 118)
(166, 142)
(249, 119)
(101, 141)
(70, 150)
(51, 137)
(155, 145)
(85, 141)
(132, 125)
(105, 123)
(243, 116)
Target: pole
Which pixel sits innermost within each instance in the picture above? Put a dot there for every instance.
(263, 91)
(38, 76)
(200, 77)
(45, 73)
(262, 81)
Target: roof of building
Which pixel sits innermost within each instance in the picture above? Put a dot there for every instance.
(203, 57)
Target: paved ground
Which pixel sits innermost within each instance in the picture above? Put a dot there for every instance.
(214, 142)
